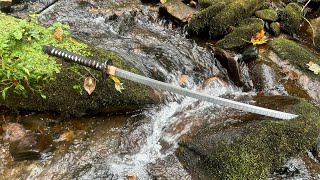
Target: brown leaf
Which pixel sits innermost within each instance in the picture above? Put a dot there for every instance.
(294, 75)
(89, 84)
(67, 136)
(132, 177)
(183, 80)
(58, 34)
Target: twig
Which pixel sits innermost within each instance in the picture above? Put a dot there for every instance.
(313, 31)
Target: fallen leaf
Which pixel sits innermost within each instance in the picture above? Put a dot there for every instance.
(183, 80)
(117, 84)
(67, 136)
(163, 1)
(314, 67)
(207, 81)
(294, 75)
(89, 84)
(259, 38)
(132, 177)
(58, 34)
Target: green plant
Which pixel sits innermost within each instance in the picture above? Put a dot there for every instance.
(23, 66)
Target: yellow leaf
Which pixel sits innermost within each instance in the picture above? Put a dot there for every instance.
(163, 1)
(314, 67)
(259, 38)
(58, 34)
(117, 84)
(89, 84)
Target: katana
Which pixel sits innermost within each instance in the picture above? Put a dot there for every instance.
(108, 69)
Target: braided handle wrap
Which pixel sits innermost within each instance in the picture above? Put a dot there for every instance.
(74, 57)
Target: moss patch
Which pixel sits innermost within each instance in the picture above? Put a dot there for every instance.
(296, 54)
(218, 18)
(242, 34)
(267, 14)
(255, 149)
(291, 18)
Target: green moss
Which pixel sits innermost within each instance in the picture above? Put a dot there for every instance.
(291, 18)
(296, 54)
(257, 148)
(242, 34)
(206, 3)
(217, 19)
(267, 14)
(23, 64)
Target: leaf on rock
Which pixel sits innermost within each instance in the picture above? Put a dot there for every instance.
(163, 1)
(89, 84)
(132, 177)
(58, 34)
(117, 84)
(314, 67)
(259, 38)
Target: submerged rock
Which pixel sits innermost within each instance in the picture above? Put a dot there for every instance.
(217, 19)
(255, 148)
(242, 34)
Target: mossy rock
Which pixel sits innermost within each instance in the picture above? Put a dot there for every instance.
(254, 149)
(316, 26)
(267, 14)
(207, 3)
(33, 80)
(217, 20)
(297, 54)
(242, 34)
(291, 18)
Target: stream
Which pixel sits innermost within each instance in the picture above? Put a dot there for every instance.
(139, 144)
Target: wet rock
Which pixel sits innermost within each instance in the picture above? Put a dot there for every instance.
(297, 54)
(250, 53)
(253, 149)
(291, 18)
(316, 26)
(265, 80)
(13, 132)
(218, 18)
(267, 14)
(178, 10)
(5, 4)
(242, 34)
(230, 63)
(31, 147)
(275, 29)
(26, 145)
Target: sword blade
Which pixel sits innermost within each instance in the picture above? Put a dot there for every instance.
(201, 96)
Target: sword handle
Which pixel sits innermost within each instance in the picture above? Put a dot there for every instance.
(75, 58)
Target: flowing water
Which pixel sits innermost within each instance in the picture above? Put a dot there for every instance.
(142, 143)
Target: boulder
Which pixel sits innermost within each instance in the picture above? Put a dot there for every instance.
(44, 83)
(217, 19)
(291, 18)
(255, 148)
(267, 14)
(206, 3)
(178, 10)
(242, 34)
(5, 4)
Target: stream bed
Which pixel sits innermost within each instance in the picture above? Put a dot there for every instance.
(139, 144)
